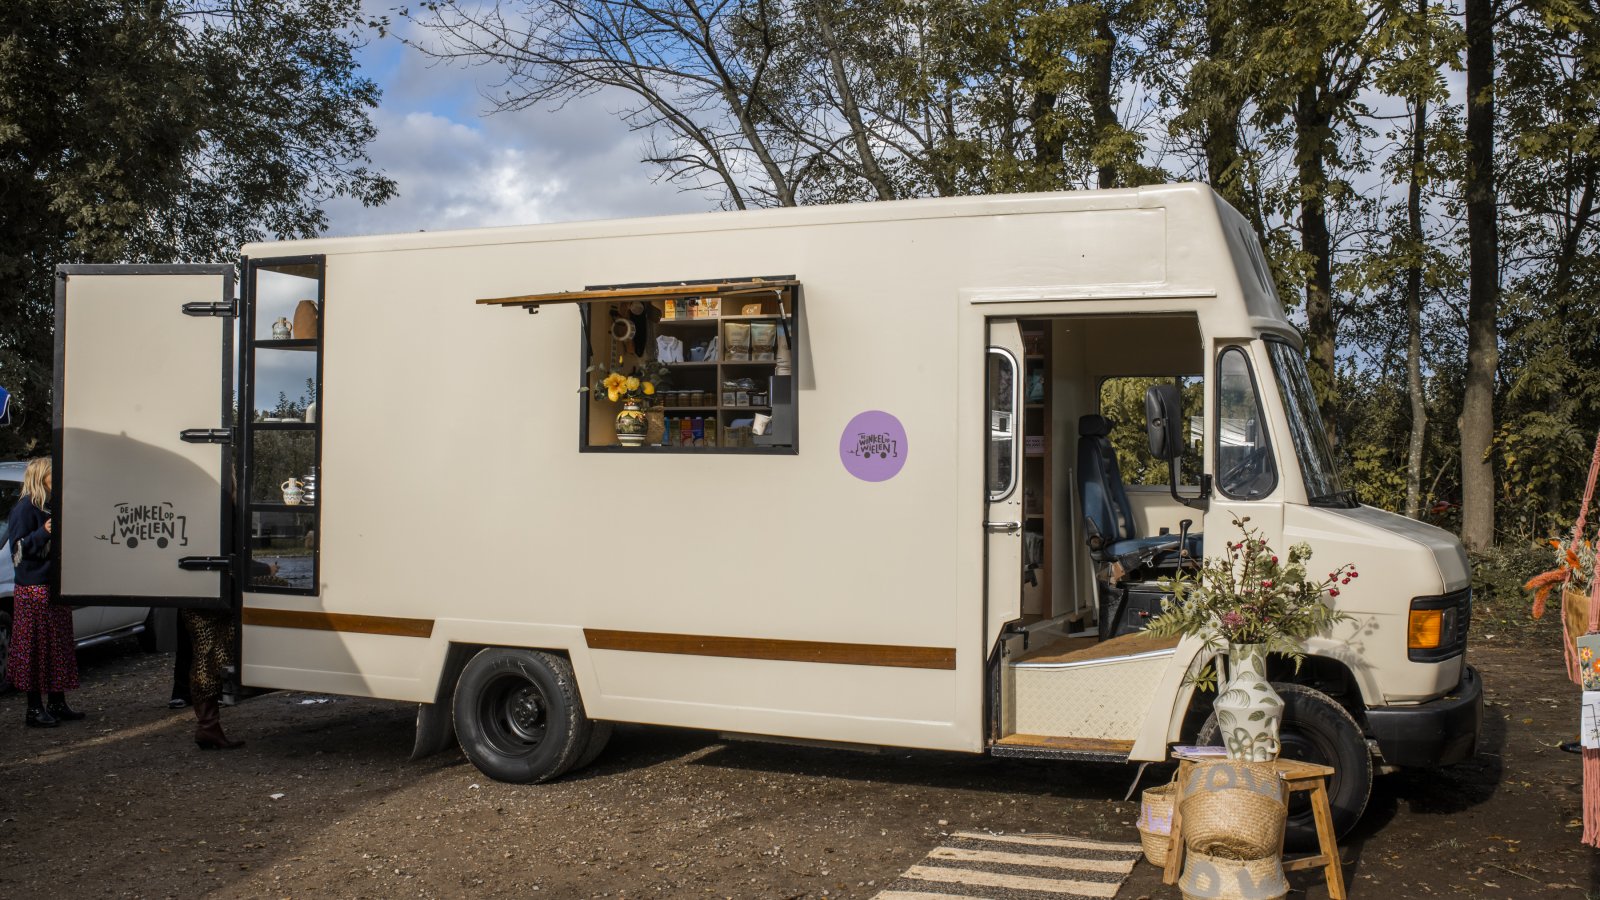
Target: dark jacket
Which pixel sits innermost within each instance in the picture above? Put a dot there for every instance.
(25, 528)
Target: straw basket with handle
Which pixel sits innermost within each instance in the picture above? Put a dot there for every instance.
(1233, 809)
(1207, 877)
(1155, 822)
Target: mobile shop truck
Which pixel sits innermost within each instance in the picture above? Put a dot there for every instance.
(876, 503)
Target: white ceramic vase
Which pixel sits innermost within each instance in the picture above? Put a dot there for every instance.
(1248, 710)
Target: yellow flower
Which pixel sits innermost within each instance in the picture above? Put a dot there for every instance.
(612, 395)
(649, 389)
(632, 383)
(614, 383)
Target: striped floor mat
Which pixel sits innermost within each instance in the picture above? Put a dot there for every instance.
(1016, 867)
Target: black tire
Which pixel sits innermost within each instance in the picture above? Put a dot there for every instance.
(1318, 730)
(599, 736)
(518, 715)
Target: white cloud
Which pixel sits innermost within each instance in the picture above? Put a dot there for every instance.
(457, 168)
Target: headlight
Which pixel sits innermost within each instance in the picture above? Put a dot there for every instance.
(1437, 627)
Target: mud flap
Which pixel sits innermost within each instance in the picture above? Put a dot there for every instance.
(436, 730)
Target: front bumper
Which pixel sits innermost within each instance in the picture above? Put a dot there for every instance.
(1436, 733)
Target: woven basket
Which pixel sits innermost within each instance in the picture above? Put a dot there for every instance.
(1208, 877)
(1155, 823)
(1233, 809)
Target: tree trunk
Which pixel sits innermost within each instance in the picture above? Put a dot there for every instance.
(1048, 143)
(1101, 61)
(1419, 406)
(1483, 293)
(1321, 327)
(1226, 170)
(852, 112)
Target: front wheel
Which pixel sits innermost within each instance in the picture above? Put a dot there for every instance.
(1318, 730)
(518, 715)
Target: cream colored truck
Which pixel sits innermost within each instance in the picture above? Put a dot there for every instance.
(859, 516)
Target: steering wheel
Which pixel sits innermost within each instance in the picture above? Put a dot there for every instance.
(1240, 478)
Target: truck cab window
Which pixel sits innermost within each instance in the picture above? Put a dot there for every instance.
(1246, 469)
(1305, 427)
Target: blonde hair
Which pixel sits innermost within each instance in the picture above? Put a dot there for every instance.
(36, 482)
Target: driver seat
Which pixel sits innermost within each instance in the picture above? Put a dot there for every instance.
(1112, 536)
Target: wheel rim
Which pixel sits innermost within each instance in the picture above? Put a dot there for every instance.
(514, 713)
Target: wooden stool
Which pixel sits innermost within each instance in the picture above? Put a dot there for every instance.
(1297, 776)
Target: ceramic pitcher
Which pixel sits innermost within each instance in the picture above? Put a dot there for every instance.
(293, 491)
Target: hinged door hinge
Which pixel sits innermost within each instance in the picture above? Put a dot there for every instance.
(206, 435)
(226, 310)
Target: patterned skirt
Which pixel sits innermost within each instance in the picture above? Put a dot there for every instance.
(213, 635)
(43, 655)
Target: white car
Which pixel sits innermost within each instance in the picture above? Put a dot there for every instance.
(90, 624)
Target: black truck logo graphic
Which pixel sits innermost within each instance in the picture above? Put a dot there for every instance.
(135, 524)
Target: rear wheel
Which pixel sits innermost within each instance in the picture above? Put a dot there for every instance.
(518, 715)
(1316, 729)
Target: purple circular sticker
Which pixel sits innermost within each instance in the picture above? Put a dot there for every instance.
(873, 446)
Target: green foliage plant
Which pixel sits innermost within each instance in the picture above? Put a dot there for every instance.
(1249, 595)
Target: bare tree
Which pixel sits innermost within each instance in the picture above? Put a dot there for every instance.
(698, 72)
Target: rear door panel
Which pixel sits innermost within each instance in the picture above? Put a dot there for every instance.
(137, 505)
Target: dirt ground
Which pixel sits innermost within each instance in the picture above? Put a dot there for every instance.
(323, 803)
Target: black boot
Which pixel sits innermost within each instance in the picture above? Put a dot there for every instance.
(38, 716)
(208, 727)
(59, 709)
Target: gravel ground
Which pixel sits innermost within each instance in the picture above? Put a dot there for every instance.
(323, 803)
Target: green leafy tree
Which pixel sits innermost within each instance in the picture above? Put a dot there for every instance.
(163, 132)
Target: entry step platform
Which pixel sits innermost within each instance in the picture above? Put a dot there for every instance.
(1078, 697)
(975, 865)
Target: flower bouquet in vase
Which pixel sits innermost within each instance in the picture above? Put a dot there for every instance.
(633, 393)
(1256, 604)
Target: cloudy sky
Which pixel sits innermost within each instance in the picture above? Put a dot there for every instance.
(460, 168)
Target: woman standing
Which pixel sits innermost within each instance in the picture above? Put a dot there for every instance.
(212, 635)
(43, 656)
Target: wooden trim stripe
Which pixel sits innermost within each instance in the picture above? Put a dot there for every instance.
(769, 648)
(341, 622)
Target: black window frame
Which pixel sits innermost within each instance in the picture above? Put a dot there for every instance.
(793, 325)
(248, 426)
(1216, 425)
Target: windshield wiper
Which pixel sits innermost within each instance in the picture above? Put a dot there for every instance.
(1345, 499)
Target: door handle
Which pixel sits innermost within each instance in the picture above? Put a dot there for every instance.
(1002, 527)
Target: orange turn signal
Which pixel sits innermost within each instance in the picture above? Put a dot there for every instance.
(1427, 629)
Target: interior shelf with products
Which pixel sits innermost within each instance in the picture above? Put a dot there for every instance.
(727, 367)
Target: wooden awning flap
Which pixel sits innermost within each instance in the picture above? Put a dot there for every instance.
(646, 292)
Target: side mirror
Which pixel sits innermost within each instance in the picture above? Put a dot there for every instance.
(1163, 417)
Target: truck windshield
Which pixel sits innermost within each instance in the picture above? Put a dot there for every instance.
(1305, 428)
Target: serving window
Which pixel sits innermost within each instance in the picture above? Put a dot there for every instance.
(691, 367)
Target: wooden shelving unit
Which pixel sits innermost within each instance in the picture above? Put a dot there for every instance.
(707, 376)
(1037, 489)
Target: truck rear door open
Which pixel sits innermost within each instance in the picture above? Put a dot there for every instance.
(143, 502)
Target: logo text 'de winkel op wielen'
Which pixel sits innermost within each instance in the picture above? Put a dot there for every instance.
(134, 524)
